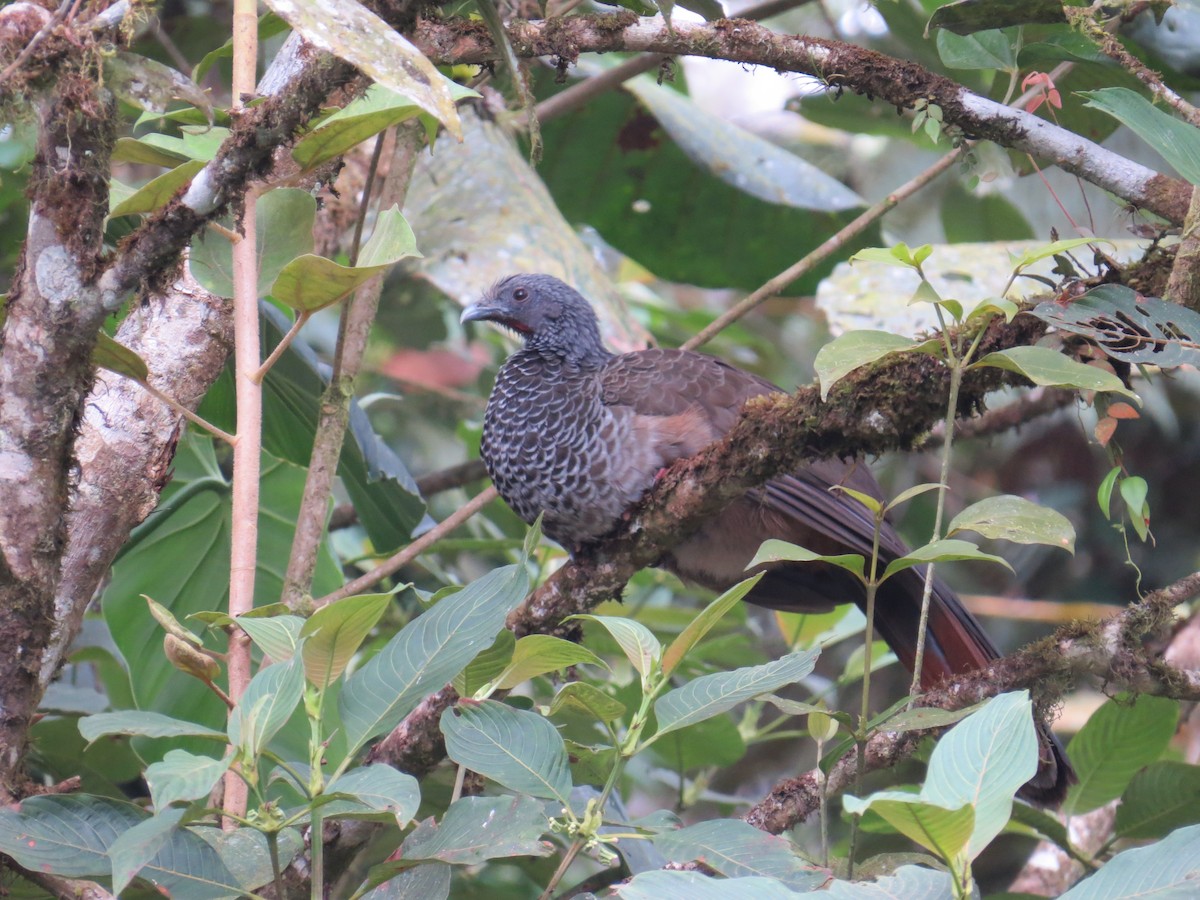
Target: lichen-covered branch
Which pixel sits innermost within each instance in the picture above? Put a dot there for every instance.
(896, 82)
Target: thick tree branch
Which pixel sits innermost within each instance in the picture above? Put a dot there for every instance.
(899, 83)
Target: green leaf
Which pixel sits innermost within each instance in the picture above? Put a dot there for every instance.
(736, 849)
(184, 776)
(142, 722)
(775, 550)
(923, 717)
(391, 241)
(703, 623)
(136, 847)
(915, 491)
(991, 49)
(1016, 519)
(898, 255)
(664, 885)
(486, 665)
(913, 882)
(1044, 366)
(1176, 140)
(429, 881)
(640, 645)
(1161, 798)
(983, 761)
(941, 551)
(1045, 251)
(476, 829)
(1133, 491)
(333, 634)
(427, 653)
(377, 109)
(368, 43)
(380, 788)
(157, 191)
(579, 695)
(276, 636)
(151, 85)
(283, 227)
(1120, 738)
(710, 695)
(851, 351)
(1104, 491)
(944, 830)
(268, 701)
(1168, 870)
(519, 749)
(537, 654)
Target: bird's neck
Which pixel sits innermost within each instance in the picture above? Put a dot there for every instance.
(584, 356)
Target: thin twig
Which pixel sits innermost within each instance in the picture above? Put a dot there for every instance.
(286, 341)
(402, 558)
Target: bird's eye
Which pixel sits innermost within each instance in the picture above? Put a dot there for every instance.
(520, 295)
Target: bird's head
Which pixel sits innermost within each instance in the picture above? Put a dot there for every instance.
(550, 315)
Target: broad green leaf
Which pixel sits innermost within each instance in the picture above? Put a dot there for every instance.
(276, 636)
(283, 225)
(1016, 519)
(1161, 798)
(736, 849)
(703, 623)
(991, 49)
(367, 42)
(157, 191)
(476, 829)
(486, 665)
(579, 695)
(142, 722)
(184, 776)
(521, 750)
(906, 883)
(1176, 140)
(381, 788)
(268, 701)
(427, 653)
(853, 350)
(1121, 737)
(377, 109)
(246, 854)
(641, 647)
(391, 240)
(709, 695)
(140, 844)
(944, 830)
(983, 761)
(429, 881)
(333, 634)
(1166, 870)
(926, 717)
(1133, 491)
(781, 551)
(537, 654)
(941, 551)
(1047, 367)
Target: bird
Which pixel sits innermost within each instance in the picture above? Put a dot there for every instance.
(577, 434)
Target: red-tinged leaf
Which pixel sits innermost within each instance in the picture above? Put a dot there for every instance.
(1104, 430)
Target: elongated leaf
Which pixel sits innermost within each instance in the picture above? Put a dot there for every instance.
(853, 350)
(519, 749)
(276, 636)
(1167, 870)
(430, 881)
(944, 830)
(640, 645)
(158, 191)
(1120, 738)
(579, 695)
(269, 700)
(364, 40)
(476, 829)
(1176, 140)
(1160, 798)
(536, 654)
(737, 849)
(427, 653)
(486, 665)
(709, 695)
(663, 885)
(703, 623)
(982, 761)
(1016, 519)
(941, 551)
(333, 634)
(184, 776)
(140, 844)
(142, 722)
(781, 551)
(1047, 367)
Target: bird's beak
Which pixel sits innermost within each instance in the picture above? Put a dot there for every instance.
(477, 312)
